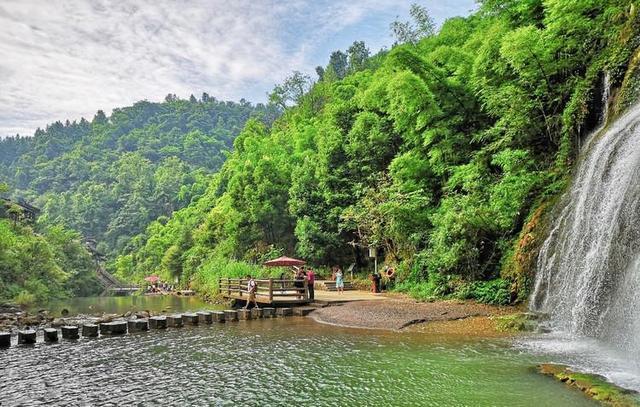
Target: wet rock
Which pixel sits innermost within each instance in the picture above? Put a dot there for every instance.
(244, 314)
(205, 317)
(190, 319)
(27, 337)
(90, 330)
(284, 312)
(230, 315)
(158, 322)
(268, 312)
(256, 313)
(303, 311)
(70, 332)
(6, 308)
(143, 314)
(138, 325)
(50, 335)
(174, 321)
(5, 339)
(218, 316)
(113, 328)
(57, 322)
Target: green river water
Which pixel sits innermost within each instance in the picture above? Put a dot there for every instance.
(276, 362)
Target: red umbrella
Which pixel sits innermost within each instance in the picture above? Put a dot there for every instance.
(152, 279)
(284, 261)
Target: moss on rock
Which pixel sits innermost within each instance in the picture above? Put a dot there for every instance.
(595, 386)
(521, 322)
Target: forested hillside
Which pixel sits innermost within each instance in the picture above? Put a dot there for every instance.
(444, 151)
(108, 178)
(40, 263)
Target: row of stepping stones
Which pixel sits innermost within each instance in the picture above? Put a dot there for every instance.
(121, 327)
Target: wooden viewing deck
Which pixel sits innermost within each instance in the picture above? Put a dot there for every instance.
(273, 292)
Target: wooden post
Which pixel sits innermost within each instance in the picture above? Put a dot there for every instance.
(229, 286)
(271, 291)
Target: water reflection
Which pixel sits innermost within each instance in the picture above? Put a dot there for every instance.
(120, 305)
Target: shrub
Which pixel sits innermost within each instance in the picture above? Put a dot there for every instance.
(24, 298)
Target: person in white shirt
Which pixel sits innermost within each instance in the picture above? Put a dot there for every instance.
(252, 288)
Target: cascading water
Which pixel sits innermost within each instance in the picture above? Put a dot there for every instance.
(588, 270)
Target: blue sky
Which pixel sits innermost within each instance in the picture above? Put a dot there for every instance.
(65, 59)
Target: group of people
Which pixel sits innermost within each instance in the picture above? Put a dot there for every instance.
(299, 275)
(388, 275)
(159, 288)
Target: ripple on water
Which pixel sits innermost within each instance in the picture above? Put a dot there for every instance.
(276, 362)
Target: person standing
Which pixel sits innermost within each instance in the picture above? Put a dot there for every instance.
(311, 279)
(339, 281)
(252, 288)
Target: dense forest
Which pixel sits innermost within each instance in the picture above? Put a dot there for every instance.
(110, 177)
(445, 152)
(105, 180)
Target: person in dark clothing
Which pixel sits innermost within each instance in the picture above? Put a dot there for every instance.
(311, 279)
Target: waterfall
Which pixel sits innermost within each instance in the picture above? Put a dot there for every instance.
(588, 269)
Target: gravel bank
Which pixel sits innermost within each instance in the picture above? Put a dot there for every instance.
(399, 314)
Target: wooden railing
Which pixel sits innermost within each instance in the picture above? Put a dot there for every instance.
(267, 289)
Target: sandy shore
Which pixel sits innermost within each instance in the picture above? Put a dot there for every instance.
(401, 314)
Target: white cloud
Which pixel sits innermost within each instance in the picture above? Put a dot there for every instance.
(64, 59)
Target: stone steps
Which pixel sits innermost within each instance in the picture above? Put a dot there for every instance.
(155, 323)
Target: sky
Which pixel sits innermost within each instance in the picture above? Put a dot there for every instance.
(66, 59)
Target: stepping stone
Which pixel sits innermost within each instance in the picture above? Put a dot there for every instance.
(113, 328)
(90, 330)
(218, 316)
(303, 311)
(244, 314)
(190, 319)
(268, 312)
(284, 312)
(50, 335)
(230, 315)
(158, 322)
(205, 317)
(256, 313)
(27, 337)
(138, 325)
(5, 339)
(70, 332)
(174, 321)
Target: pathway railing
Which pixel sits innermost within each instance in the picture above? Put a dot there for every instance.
(268, 290)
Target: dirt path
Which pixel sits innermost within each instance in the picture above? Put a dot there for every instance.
(395, 314)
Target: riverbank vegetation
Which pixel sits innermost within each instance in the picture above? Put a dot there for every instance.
(445, 153)
(38, 264)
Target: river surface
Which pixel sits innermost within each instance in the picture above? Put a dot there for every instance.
(120, 305)
(278, 362)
